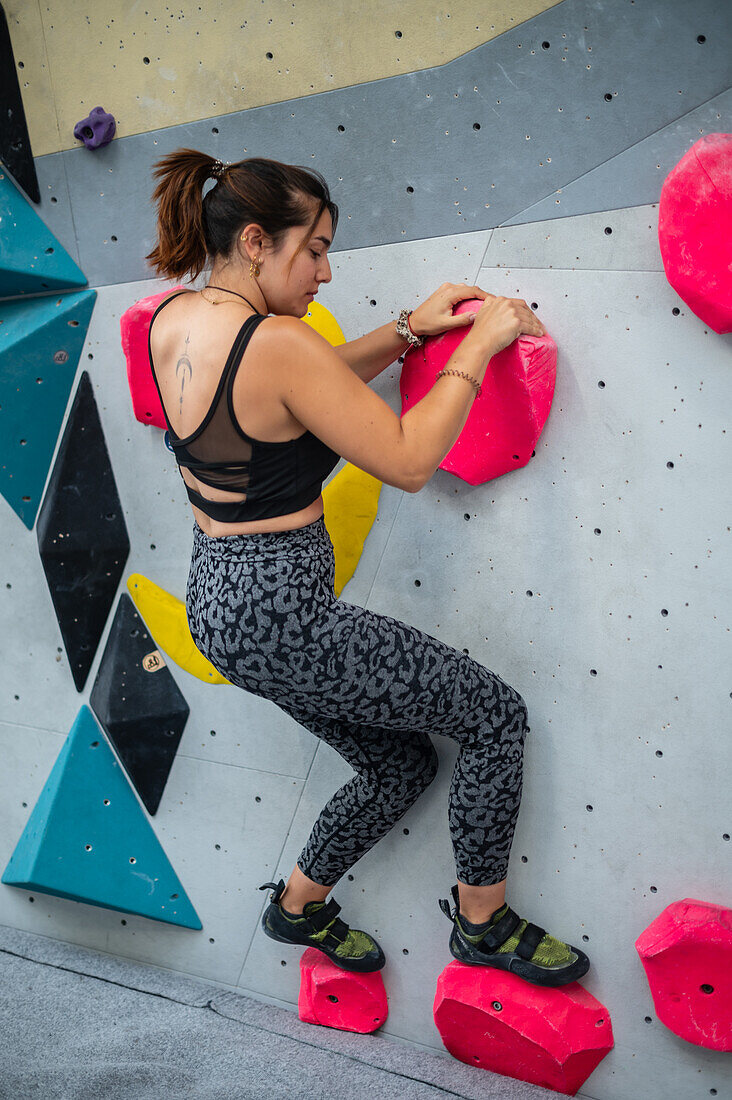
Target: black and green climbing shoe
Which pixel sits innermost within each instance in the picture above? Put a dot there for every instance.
(509, 943)
(320, 927)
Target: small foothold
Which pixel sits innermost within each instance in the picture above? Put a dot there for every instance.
(97, 129)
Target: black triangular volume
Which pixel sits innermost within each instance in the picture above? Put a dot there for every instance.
(15, 146)
(82, 535)
(139, 704)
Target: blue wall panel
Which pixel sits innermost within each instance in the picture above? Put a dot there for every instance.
(41, 340)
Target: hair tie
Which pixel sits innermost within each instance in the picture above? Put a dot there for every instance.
(218, 168)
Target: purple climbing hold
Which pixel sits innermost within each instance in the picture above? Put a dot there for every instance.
(97, 129)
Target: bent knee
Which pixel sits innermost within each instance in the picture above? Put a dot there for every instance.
(522, 712)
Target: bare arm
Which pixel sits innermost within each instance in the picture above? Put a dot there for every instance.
(338, 408)
(372, 353)
(432, 426)
(342, 411)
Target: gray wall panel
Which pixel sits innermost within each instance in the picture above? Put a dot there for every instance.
(418, 130)
(579, 242)
(596, 604)
(635, 175)
(55, 207)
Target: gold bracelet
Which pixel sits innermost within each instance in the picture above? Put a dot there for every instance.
(469, 378)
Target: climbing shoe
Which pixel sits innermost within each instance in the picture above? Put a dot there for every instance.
(320, 927)
(507, 942)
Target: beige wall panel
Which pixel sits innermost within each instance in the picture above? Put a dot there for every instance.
(34, 76)
(211, 58)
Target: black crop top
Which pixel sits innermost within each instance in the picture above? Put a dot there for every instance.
(278, 478)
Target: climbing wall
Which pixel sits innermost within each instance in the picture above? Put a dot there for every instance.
(520, 146)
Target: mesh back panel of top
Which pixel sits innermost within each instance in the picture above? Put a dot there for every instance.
(217, 452)
(219, 443)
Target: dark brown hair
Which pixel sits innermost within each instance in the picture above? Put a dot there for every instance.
(193, 227)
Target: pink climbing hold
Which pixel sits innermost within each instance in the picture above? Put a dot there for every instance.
(550, 1036)
(505, 422)
(687, 956)
(695, 229)
(134, 325)
(338, 998)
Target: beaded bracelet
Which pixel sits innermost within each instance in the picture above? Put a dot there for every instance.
(451, 371)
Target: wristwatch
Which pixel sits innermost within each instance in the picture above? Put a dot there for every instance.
(403, 330)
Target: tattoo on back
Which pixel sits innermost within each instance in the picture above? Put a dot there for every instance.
(184, 364)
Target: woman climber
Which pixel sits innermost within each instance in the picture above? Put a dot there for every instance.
(258, 416)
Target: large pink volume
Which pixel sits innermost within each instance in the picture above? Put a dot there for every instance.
(134, 326)
(695, 229)
(499, 1022)
(687, 956)
(505, 422)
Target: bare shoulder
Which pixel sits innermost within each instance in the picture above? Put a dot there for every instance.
(170, 317)
(286, 342)
(186, 298)
(286, 330)
(179, 292)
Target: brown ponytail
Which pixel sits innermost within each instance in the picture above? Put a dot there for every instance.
(193, 227)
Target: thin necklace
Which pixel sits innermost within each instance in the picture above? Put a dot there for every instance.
(210, 286)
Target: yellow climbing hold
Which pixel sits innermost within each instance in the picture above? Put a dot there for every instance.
(350, 502)
(166, 619)
(323, 321)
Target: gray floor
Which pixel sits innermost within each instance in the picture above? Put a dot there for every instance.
(76, 1023)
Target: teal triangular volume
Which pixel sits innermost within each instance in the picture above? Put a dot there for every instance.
(32, 260)
(88, 839)
(41, 341)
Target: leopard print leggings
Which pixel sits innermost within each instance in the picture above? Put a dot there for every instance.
(262, 608)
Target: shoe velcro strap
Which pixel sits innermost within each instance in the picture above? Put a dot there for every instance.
(338, 930)
(497, 935)
(321, 917)
(531, 937)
